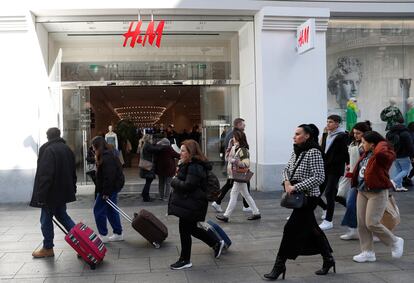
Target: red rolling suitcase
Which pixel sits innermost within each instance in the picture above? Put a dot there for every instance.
(145, 223)
(85, 242)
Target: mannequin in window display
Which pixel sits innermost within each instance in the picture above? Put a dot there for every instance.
(409, 116)
(352, 114)
(391, 114)
(344, 80)
(111, 138)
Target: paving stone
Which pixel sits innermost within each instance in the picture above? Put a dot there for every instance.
(120, 266)
(21, 280)
(10, 238)
(89, 279)
(42, 268)
(227, 275)
(9, 269)
(166, 277)
(396, 276)
(147, 250)
(198, 261)
(26, 257)
(245, 258)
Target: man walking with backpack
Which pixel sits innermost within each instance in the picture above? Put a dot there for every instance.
(400, 139)
(54, 186)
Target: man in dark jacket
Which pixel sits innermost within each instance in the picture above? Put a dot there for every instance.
(335, 147)
(400, 138)
(54, 186)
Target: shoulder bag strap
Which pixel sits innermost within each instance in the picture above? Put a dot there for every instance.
(297, 165)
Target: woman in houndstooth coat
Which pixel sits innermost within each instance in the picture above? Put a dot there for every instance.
(302, 235)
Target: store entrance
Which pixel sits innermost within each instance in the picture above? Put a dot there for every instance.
(202, 113)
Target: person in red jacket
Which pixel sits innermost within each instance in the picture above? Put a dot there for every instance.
(371, 179)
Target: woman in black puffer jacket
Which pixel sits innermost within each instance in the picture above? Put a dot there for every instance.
(189, 201)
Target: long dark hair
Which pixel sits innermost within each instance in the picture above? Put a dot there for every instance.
(240, 137)
(373, 137)
(100, 146)
(362, 127)
(194, 150)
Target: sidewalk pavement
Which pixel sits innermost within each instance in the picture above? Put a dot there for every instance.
(252, 254)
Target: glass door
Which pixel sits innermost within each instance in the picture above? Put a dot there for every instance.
(76, 125)
(219, 106)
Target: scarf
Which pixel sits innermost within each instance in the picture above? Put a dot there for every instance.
(309, 144)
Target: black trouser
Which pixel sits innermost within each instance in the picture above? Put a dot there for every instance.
(227, 187)
(187, 229)
(331, 190)
(146, 189)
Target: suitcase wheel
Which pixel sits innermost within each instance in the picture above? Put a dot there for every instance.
(93, 266)
(156, 245)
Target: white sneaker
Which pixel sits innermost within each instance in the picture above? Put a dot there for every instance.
(323, 216)
(397, 248)
(217, 207)
(326, 225)
(365, 256)
(116, 238)
(104, 239)
(352, 234)
(247, 209)
(402, 189)
(393, 184)
(375, 239)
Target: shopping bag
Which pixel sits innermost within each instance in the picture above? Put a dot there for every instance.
(391, 217)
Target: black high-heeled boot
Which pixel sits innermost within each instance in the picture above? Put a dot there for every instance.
(328, 262)
(278, 269)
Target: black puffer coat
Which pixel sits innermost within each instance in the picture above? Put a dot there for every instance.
(106, 174)
(55, 180)
(188, 199)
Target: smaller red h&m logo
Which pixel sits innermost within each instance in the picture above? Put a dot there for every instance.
(150, 34)
(304, 36)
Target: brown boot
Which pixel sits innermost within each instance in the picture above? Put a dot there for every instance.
(43, 253)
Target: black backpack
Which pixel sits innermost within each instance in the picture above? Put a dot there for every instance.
(394, 138)
(119, 176)
(212, 186)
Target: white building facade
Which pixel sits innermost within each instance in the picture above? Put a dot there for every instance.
(263, 78)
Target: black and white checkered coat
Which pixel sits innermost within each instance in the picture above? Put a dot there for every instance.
(310, 173)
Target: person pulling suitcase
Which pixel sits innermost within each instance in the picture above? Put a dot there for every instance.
(189, 202)
(109, 180)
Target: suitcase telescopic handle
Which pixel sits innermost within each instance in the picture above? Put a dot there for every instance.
(120, 211)
(59, 225)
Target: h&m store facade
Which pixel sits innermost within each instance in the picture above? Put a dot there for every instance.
(215, 63)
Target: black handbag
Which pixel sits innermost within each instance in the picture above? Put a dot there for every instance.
(296, 199)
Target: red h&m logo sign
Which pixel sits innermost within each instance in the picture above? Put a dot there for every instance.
(305, 36)
(150, 35)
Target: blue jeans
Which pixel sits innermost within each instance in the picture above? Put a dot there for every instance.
(47, 223)
(400, 169)
(103, 211)
(350, 217)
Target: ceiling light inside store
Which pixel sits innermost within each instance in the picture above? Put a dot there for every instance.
(141, 115)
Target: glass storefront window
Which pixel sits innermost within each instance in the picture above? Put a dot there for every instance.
(370, 61)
